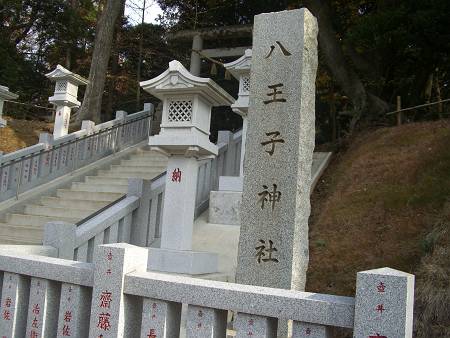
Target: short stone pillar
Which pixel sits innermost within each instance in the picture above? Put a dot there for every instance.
(65, 97)
(384, 304)
(240, 69)
(184, 137)
(5, 94)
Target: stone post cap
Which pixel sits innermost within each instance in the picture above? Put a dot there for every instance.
(121, 114)
(178, 81)
(5, 94)
(387, 271)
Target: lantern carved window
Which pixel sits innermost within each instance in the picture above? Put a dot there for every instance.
(180, 111)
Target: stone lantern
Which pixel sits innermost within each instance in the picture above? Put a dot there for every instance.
(5, 94)
(184, 138)
(240, 69)
(64, 97)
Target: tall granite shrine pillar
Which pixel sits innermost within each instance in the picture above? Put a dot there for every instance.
(273, 244)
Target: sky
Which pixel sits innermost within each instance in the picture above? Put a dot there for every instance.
(133, 10)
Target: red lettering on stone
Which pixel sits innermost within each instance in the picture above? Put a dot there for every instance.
(105, 299)
(6, 315)
(378, 336)
(68, 316)
(176, 175)
(35, 323)
(151, 334)
(380, 308)
(103, 321)
(66, 331)
(36, 309)
(381, 287)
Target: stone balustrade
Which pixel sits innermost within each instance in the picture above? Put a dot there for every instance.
(30, 167)
(54, 297)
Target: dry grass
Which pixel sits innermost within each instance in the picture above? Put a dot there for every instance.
(21, 133)
(376, 205)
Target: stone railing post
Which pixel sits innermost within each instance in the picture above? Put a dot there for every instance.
(109, 304)
(384, 304)
(87, 144)
(140, 222)
(226, 136)
(61, 235)
(45, 162)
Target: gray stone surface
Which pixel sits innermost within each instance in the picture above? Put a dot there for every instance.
(60, 235)
(109, 304)
(231, 183)
(384, 304)
(74, 306)
(160, 318)
(248, 325)
(284, 222)
(308, 330)
(42, 319)
(278, 303)
(225, 207)
(180, 261)
(15, 294)
(203, 322)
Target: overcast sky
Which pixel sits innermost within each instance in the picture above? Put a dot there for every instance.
(134, 14)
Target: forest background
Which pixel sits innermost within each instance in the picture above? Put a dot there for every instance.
(370, 53)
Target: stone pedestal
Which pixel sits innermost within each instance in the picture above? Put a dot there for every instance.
(175, 254)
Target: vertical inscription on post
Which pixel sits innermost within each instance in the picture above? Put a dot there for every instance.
(273, 246)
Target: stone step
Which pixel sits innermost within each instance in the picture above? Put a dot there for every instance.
(70, 212)
(73, 203)
(135, 169)
(88, 196)
(99, 187)
(144, 175)
(106, 180)
(144, 161)
(34, 220)
(24, 232)
(147, 153)
(15, 240)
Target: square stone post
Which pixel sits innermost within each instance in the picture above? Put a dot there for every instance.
(110, 309)
(248, 325)
(203, 322)
(15, 294)
(384, 304)
(308, 330)
(160, 318)
(273, 243)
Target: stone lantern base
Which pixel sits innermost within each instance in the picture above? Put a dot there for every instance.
(182, 261)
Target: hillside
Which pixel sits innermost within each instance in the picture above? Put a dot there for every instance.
(385, 201)
(21, 133)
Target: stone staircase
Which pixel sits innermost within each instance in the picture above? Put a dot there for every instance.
(81, 199)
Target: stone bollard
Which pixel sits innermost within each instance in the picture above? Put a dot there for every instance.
(384, 304)
(140, 227)
(61, 235)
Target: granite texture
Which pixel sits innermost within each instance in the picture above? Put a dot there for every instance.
(74, 306)
(384, 304)
(231, 183)
(181, 261)
(109, 315)
(14, 306)
(203, 322)
(278, 303)
(289, 166)
(160, 318)
(255, 326)
(42, 319)
(308, 330)
(224, 207)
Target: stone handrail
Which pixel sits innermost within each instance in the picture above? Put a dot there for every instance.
(137, 218)
(30, 167)
(122, 299)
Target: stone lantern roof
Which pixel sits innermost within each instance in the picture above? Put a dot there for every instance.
(240, 69)
(5, 94)
(187, 102)
(60, 74)
(178, 81)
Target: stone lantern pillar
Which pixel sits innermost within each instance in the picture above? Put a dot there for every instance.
(65, 97)
(240, 69)
(5, 94)
(184, 138)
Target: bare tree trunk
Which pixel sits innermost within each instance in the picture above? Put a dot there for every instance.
(363, 102)
(92, 102)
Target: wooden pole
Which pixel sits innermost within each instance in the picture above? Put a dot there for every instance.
(399, 113)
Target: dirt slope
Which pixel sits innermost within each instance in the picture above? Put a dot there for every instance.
(21, 133)
(385, 201)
